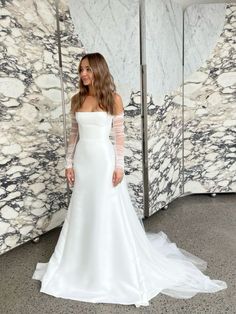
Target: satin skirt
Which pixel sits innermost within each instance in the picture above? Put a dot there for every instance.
(104, 255)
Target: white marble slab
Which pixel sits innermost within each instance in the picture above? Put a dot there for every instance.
(33, 186)
(163, 47)
(210, 112)
(203, 25)
(164, 75)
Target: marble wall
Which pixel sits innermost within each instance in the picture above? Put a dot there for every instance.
(210, 103)
(190, 148)
(164, 76)
(33, 187)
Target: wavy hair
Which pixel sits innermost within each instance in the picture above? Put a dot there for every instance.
(104, 85)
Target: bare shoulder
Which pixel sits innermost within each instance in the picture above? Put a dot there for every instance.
(119, 107)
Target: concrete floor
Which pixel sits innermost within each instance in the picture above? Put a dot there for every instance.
(200, 224)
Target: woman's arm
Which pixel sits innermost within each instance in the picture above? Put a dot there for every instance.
(118, 131)
(73, 139)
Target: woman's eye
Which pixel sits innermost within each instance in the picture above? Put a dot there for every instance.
(88, 69)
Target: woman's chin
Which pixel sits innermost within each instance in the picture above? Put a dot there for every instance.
(86, 83)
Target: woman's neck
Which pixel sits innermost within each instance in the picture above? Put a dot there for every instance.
(91, 91)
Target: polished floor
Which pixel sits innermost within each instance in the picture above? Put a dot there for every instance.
(201, 224)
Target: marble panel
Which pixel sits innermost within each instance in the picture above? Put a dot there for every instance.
(164, 76)
(203, 25)
(163, 47)
(111, 27)
(33, 196)
(209, 113)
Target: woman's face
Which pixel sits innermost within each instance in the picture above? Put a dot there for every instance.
(86, 73)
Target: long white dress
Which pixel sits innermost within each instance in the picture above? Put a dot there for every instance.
(103, 254)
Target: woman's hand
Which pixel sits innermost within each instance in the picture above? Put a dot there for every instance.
(117, 176)
(70, 176)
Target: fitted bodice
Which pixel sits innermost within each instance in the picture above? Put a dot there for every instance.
(94, 125)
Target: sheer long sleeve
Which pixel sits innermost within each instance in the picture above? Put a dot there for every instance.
(73, 139)
(119, 137)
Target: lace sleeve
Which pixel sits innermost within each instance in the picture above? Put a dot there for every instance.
(119, 136)
(73, 139)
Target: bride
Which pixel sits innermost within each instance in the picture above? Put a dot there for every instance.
(103, 254)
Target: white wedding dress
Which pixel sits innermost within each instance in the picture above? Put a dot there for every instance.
(103, 254)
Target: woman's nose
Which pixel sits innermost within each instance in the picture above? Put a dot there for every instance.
(83, 73)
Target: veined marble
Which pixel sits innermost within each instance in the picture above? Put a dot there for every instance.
(164, 75)
(112, 28)
(203, 26)
(133, 152)
(33, 186)
(165, 151)
(210, 115)
(163, 47)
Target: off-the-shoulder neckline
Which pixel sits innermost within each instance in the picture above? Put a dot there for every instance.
(96, 112)
(91, 111)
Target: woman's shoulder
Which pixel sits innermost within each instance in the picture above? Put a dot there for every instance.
(117, 97)
(118, 103)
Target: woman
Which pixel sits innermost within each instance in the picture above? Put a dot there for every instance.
(103, 253)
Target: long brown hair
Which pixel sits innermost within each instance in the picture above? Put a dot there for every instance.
(103, 84)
